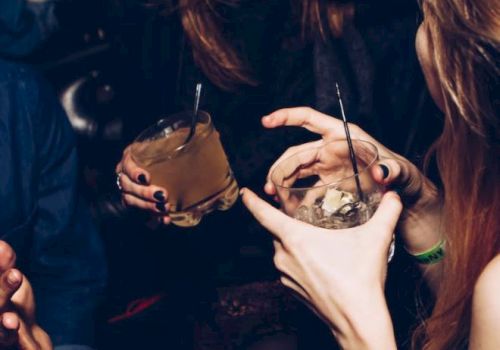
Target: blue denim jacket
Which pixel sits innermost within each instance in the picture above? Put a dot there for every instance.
(41, 214)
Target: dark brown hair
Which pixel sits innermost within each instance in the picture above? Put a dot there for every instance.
(221, 62)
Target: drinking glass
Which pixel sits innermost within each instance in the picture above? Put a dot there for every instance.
(196, 174)
(318, 185)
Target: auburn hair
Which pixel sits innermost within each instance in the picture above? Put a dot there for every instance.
(465, 41)
(220, 61)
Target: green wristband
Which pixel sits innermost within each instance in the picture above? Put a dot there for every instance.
(432, 255)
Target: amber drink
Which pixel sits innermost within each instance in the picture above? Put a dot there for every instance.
(196, 175)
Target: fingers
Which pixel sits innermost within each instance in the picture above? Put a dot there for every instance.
(26, 340)
(401, 176)
(391, 171)
(130, 168)
(9, 283)
(146, 193)
(7, 256)
(16, 333)
(9, 326)
(387, 214)
(135, 192)
(271, 218)
(305, 117)
(155, 207)
(269, 186)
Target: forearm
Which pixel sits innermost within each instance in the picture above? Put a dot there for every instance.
(367, 325)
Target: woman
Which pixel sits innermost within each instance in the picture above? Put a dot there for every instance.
(341, 274)
(247, 73)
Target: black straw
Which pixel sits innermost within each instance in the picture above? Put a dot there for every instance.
(194, 118)
(351, 148)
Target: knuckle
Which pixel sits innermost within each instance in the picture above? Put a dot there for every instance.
(6, 251)
(284, 281)
(127, 199)
(145, 192)
(278, 261)
(308, 110)
(291, 241)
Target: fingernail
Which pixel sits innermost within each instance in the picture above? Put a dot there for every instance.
(241, 192)
(159, 196)
(385, 170)
(13, 279)
(142, 179)
(161, 207)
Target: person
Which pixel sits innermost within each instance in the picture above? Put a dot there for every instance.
(18, 326)
(453, 235)
(45, 221)
(246, 73)
(25, 25)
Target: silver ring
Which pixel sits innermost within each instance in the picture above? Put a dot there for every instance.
(118, 182)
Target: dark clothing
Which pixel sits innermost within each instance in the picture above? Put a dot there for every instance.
(41, 216)
(25, 25)
(374, 62)
(384, 92)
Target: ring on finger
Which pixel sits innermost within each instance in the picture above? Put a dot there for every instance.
(118, 181)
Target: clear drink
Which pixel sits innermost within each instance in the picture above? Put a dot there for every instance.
(318, 185)
(197, 176)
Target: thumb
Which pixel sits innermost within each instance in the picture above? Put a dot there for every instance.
(271, 218)
(388, 212)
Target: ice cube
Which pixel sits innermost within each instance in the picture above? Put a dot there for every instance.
(335, 199)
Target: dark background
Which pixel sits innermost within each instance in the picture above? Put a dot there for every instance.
(108, 53)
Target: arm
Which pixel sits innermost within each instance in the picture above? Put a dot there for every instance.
(484, 333)
(67, 266)
(420, 225)
(339, 274)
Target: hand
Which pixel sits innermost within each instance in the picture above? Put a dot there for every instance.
(421, 218)
(136, 191)
(340, 274)
(18, 327)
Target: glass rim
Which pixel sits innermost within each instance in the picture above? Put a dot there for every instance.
(365, 168)
(171, 119)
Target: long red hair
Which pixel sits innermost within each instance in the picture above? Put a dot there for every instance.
(465, 40)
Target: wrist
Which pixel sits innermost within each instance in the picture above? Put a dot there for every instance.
(421, 227)
(368, 325)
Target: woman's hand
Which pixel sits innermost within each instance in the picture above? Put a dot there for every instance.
(340, 274)
(136, 191)
(421, 219)
(18, 327)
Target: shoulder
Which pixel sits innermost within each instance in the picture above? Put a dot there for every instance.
(488, 283)
(486, 307)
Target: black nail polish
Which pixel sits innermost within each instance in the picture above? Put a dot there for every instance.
(161, 207)
(142, 179)
(385, 170)
(159, 196)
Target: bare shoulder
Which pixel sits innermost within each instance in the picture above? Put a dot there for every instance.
(488, 283)
(486, 308)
